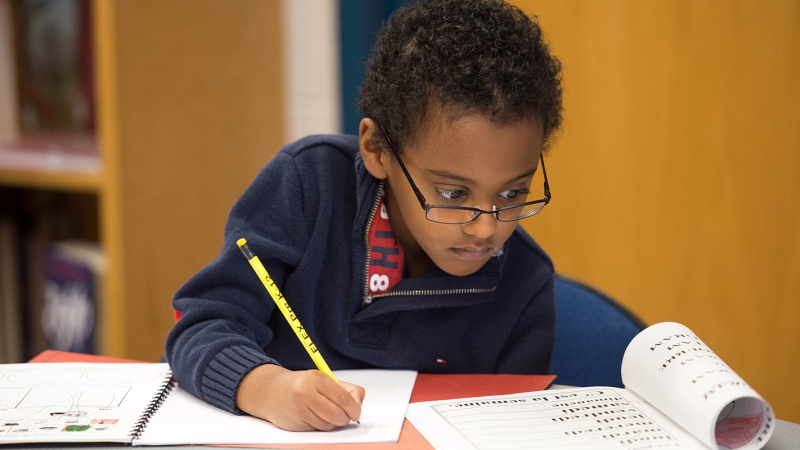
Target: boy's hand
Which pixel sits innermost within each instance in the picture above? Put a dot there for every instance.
(299, 400)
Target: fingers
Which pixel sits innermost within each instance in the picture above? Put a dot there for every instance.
(313, 420)
(319, 402)
(356, 391)
(341, 406)
(299, 400)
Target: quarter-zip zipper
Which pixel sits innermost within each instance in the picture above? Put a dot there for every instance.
(368, 298)
(366, 242)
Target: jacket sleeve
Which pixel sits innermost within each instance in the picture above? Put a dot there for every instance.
(530, 344)
(224, 308)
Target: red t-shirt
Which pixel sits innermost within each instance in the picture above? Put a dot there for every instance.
(385, 253)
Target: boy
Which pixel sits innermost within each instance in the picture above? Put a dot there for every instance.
(396, 249)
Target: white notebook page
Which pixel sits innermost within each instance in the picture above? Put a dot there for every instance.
(183, 419)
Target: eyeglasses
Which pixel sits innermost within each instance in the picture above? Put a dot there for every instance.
(459, 214)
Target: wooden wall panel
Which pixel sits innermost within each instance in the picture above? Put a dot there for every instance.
(676, 181)
(192, 100)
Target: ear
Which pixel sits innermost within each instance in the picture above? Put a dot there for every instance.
(375, 159)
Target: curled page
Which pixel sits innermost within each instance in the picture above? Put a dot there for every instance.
(677, 373)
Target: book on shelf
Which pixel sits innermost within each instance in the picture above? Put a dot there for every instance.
(678, 394)
(33, 241)
(54, 66)
(9, 105)
(60, 231)
(72, 289)
(47, 87)
(11, 345)
(139, 404)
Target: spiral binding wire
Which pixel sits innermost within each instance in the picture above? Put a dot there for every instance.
(152, 407)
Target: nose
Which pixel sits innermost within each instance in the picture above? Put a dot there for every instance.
(483, 227)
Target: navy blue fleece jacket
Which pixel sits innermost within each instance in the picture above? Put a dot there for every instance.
(305, 216)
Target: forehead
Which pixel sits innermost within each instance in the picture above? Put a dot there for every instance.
(474, 147)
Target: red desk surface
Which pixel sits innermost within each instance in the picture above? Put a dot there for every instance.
(428, 387)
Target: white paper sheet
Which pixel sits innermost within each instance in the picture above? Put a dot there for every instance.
(183, 419)
(85, 402)
(677, 373)
(595, 418)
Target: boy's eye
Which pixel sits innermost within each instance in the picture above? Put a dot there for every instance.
(450, 194)
(514, 194)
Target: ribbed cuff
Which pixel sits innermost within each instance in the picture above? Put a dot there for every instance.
(224, 373)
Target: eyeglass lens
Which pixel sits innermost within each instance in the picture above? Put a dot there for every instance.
(452, 215)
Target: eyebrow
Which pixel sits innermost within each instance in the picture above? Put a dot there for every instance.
(454, 177)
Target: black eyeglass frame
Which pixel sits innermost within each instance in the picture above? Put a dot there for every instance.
(496, 212)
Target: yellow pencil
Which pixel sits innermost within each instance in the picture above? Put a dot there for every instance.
(283, 305)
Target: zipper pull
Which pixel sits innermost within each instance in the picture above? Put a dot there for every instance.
(367, 301)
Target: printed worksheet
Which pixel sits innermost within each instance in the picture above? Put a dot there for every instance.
(87, 402)
(679, 394)
(582, 418)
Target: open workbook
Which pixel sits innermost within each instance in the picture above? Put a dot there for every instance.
(678, 394)
(139, 404)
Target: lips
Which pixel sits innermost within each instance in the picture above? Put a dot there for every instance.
(471, 253)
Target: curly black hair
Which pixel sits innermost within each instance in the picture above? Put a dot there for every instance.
(460, 57)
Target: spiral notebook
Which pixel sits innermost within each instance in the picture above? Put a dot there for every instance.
(140, 404)
(79, 402)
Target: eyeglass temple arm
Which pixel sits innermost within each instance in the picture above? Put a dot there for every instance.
(546, 184)
(419, 195)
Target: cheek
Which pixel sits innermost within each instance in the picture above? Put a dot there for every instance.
(432, 233)
(504, 230)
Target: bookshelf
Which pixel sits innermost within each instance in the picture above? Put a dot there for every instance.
(62, 163)
(188, 107)
(56, 181)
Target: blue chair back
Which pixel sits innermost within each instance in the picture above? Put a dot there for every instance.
(592, 332)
